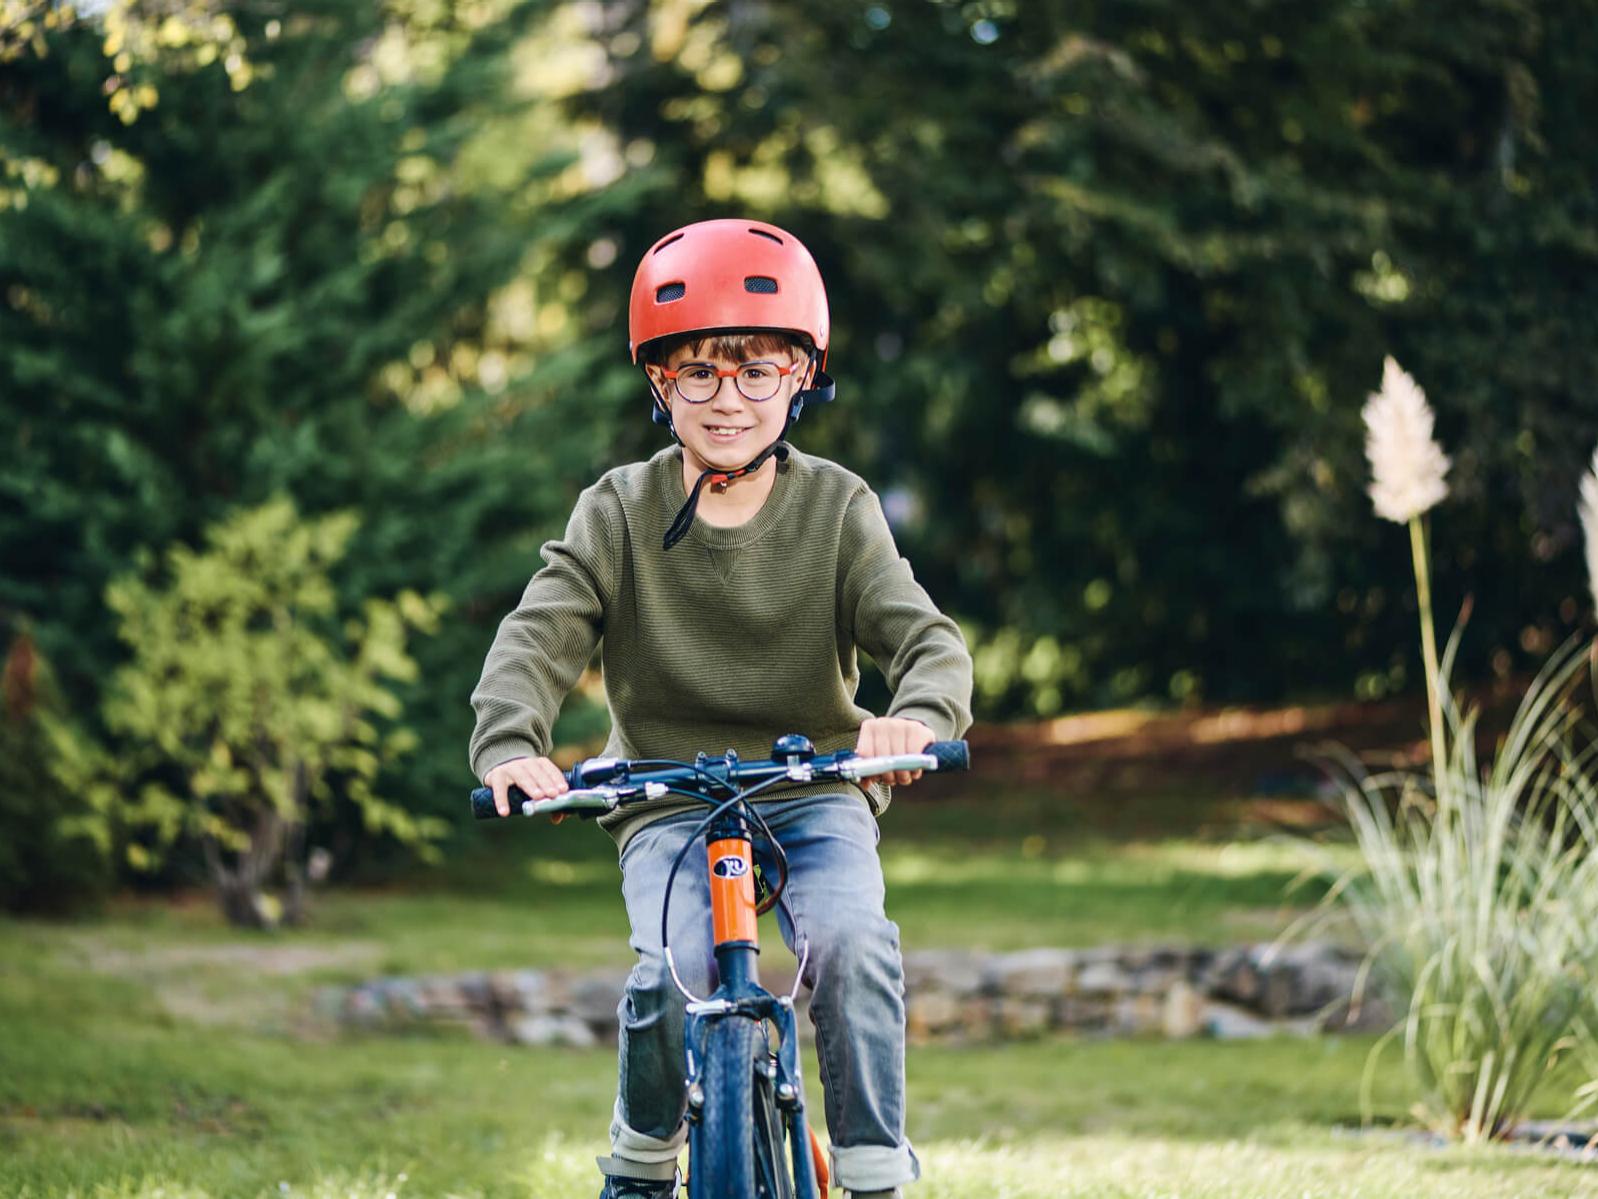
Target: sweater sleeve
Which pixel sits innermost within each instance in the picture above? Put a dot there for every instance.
(542, 646)
(890, 616)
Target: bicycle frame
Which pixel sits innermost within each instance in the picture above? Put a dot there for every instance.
(727, 785)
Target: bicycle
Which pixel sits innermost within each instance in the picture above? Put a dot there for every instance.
(747, 1132)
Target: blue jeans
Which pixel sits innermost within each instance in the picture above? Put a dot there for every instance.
(835, 896)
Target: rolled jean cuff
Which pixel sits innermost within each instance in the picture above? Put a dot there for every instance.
(640, 1147)
(874, 1167)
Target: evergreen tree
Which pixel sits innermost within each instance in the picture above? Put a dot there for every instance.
(275, 281)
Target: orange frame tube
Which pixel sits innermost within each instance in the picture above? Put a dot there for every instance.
(732, 892)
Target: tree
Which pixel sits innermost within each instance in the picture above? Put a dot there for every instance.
(307, 285)
(246, 705)
(1111, 281)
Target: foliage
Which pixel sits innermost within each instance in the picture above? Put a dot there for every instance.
(1108, 281)
(1474, 895)
(244, 705)
(284, 289)
(1108, 284)
(50, 859)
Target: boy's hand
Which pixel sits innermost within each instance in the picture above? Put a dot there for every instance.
(886, 735)
(538, 777)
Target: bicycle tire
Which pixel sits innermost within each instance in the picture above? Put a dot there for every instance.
(721, 1160)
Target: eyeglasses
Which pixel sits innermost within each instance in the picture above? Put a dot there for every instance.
(698, 382)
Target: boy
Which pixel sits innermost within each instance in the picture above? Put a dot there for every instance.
(730, 580)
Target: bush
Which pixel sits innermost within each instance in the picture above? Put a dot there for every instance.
(1476, 896)
(249, 705)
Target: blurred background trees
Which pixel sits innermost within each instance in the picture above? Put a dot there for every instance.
(1110, 283)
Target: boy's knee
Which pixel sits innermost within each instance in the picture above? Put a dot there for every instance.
(652, 996)
(846, 955)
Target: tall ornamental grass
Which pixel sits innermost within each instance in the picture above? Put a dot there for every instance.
(1476, 898)
(1477, 891)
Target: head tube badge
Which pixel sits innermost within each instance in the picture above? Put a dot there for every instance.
(730, 865)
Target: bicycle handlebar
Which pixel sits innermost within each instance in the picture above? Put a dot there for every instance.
(604, 784)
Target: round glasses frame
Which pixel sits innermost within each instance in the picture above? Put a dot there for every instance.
(709, 376)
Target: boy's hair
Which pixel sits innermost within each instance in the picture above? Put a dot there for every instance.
(736, 347)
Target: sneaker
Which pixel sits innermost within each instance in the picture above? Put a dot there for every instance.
(617, 1187)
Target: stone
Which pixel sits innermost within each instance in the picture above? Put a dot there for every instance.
(1235, 977)
(1371, 1014)
(1083, 1013)
(1323, 980)
(1153, 979)
(529, 993)
(496, 991)
(1102, 978)
(442, 997)
(1032, 973)
(1021, 1018)
(1228, 1022)
(929, 1013)
(402, 999)
(1182, 1011)
(550, 1030)
(1136, 1015)
(957, 971)
(594, 999)
(976, 1018)
(1278, 990)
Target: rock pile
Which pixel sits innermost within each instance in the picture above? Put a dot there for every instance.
(951, 995)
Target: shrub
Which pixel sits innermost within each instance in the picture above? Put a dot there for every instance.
(247, 702)
(1475, 897)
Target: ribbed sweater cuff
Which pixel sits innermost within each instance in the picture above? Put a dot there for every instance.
(499, 751)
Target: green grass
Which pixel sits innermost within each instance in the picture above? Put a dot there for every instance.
(152, 1052)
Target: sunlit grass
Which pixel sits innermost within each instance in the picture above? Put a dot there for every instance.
(153, 1052)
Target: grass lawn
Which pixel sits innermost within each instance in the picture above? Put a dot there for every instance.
(150, 1051)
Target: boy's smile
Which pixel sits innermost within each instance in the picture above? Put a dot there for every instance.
(727, 430)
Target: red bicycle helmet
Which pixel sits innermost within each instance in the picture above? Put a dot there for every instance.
(727, 274)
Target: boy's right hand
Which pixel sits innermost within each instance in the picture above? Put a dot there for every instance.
(539, 778)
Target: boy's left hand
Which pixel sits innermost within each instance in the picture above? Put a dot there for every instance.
(884, 735)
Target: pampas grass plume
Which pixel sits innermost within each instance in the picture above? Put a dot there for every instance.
(1408, 467)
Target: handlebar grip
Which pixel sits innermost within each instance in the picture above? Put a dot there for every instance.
(951, 755)
(483, 802)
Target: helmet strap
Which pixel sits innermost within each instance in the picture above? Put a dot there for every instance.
(718, 479)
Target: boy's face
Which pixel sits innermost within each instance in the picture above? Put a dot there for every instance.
(727, 430)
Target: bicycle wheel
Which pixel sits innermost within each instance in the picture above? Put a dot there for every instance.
(720, 1142)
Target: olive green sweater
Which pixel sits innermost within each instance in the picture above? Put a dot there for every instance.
(729, 639)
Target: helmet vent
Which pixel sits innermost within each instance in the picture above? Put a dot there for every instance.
(667, 242)
(763, 233)
(761, 285)
(668, 292)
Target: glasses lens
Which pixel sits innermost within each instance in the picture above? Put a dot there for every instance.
(697, 382)
(758, 380)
